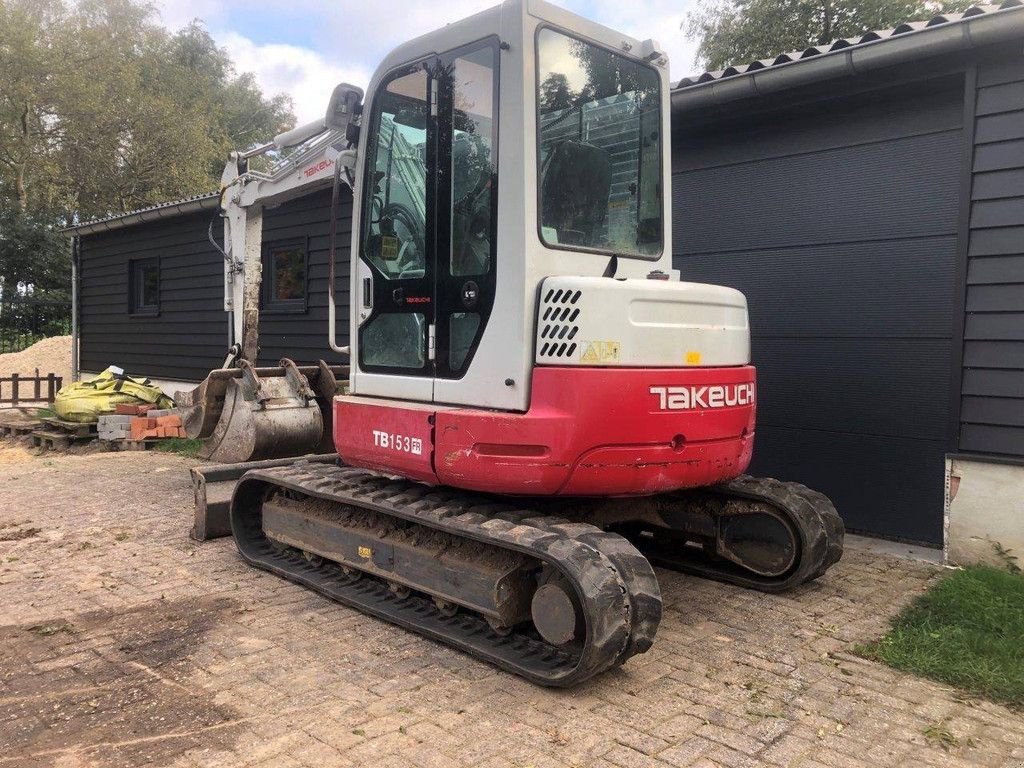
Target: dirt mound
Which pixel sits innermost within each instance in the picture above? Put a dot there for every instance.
(51, 355)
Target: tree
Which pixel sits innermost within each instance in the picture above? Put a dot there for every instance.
(555, 93)
(102, 111)
(33, 256)
(740, 31)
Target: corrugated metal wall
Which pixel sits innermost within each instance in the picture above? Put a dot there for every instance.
(992, 408)
(838, 220)
(190, 334)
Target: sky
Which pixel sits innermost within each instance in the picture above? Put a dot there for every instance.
(304, 47)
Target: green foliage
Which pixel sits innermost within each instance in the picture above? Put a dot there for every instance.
(740, 31)
(966, 631)
(102, 110)
(181, 446)
(32, 253)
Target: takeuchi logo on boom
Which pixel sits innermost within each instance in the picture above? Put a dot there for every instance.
(713, 396)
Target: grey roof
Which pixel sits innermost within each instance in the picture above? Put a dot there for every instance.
(207, 201)
(946, 33)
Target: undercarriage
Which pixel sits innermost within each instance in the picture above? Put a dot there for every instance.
(554, 590)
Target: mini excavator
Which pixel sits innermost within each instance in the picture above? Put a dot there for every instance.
(537, 408)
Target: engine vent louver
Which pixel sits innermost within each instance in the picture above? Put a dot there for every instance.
(557, 324)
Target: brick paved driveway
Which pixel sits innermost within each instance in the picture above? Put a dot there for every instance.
(123, 643)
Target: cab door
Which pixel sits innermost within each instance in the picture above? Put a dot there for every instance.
(396, 271)
(427, 270)
(466, 204)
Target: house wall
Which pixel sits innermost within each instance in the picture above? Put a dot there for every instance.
(992, 405)
(302, 336)
(985, 480)
(189, 335)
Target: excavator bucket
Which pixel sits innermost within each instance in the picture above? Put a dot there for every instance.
(248, 413)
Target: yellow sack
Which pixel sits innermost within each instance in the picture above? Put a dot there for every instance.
(86, 401)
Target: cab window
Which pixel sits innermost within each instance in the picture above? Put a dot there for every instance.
(600, 149)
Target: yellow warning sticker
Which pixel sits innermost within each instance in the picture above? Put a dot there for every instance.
(365, 552)
(693, 358)
(389, 248)
(597, 352)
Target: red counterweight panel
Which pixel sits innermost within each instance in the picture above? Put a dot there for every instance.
(589, 432)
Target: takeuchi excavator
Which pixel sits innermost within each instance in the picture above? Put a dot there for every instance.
(537, 408)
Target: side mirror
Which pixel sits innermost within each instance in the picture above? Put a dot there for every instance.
(346, 101)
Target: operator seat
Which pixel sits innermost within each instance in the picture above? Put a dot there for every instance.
(575, 184)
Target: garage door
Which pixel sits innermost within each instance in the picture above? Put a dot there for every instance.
(839, 222)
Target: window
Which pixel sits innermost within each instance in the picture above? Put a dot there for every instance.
(599, 149)
(473, 161)
(284, 276)
(395, 232)
(144, 286)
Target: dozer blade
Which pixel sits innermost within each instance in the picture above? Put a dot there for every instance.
(247, 413)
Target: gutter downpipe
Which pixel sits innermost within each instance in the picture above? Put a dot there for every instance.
(75, 246)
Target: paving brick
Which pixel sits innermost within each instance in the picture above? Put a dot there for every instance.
(207, 662)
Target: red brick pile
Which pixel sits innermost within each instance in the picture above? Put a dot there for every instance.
(149, 422)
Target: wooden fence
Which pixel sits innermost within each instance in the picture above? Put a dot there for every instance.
(18, 390)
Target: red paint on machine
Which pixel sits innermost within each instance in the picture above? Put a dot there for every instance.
(588, 432)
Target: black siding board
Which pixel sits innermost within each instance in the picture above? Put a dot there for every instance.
(1005, 154)
(992, 388)
(995, 184)
(996, 298)
(998, 213)
(1006, 69)
(1000, 411)
(1002, 127)
(994, 354)
(1003, 241)
(993, 383)
(987, 438)
(189, 336)
(1006, 326)
(995, 270)
(1005, 97)
(303, 336)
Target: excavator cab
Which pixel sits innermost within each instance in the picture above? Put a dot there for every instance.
(511, 235)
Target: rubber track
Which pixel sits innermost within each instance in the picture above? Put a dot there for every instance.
(819, 526)
(614, 582)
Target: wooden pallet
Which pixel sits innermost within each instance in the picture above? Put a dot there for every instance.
(18, 429)
(78, 429)
(46, 439)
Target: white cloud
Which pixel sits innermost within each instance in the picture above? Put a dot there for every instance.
(305, 75)
(347, 39)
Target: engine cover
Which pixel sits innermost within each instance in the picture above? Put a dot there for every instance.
(600, 321)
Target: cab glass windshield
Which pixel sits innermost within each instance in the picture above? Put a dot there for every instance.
(599, 149)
